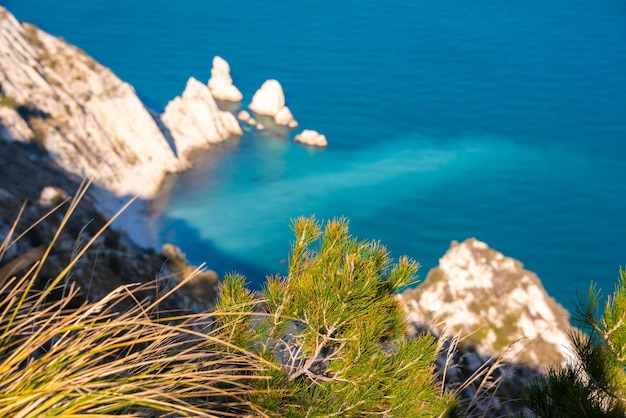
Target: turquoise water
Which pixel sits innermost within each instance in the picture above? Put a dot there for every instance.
(446, 120)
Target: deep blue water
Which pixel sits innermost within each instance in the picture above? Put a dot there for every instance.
(447, 119)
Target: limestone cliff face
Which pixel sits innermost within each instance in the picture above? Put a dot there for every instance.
(494, 303)
(90, 121)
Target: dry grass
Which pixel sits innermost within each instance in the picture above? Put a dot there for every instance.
(485, 386)
(100, 359)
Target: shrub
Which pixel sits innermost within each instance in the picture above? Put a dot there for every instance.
(594, 383)
(334, 331)
(8, 101)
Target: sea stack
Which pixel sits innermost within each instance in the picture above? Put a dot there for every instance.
(269, 100)
(311, 137)
(195, 121)
(221, 83)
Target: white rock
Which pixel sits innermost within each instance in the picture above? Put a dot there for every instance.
(195, 121)
(246, 117)
(13, 127)
(51, 196)
(311, 137)
(284, 117)
(269, 100)
(221, 83)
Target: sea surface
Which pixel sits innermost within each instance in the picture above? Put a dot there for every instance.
(447, 119)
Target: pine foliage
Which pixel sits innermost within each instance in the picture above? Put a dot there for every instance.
(594, 384)
(335, 330)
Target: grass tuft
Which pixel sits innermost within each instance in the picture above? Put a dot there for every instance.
(115, 356)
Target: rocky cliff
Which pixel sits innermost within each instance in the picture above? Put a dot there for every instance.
(493, 303)
(90, 121)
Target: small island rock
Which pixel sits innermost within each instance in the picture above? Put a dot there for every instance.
(269, 100)
(311, 137)
(221, 83)
(246, 117)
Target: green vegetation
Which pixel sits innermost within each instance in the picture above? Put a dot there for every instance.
(328, 339)
(30, 32)
(334, 332)
(594, 384)
(8, 101)
(39, 137)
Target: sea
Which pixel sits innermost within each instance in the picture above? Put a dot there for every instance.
(447, 119)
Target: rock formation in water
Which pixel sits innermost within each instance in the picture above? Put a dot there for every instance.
(269, 100)
(246, 117)
(311, 137)
(195, 121)
(92, 123)
(221, 83)
(493, 303)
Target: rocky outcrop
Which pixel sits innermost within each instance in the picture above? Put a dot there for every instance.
(221, 83)
(246, 117)
(493, 303)
(195, 121)
(269, 100)
(311, 137)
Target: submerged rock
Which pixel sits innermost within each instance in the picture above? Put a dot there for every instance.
(493, 303)
(221, 83)
(195, 121)
(246, 117)
(269, 100)
(311, 137)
